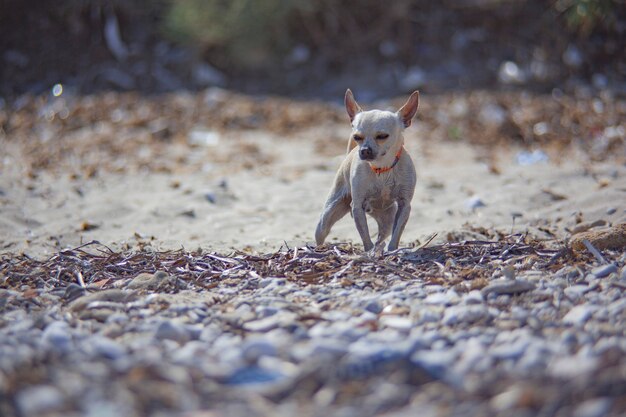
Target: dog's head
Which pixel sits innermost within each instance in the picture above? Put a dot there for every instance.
(378, 133)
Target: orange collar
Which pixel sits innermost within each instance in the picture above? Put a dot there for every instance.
(385, 169)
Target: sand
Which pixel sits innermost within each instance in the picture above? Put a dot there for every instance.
(225, 206)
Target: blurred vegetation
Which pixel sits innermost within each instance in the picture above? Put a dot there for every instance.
(253, 33)
(583, 16)
(45, 42)
(250, 33)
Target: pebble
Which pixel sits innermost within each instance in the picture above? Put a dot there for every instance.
(473, 297)
(569, 367)
(169, 330)
(604, 270)
(253, 350)
(436, 362)
(39, 399)
(507, 286)
(474, 203)
(57, 336)
(576, 291)
(579, 315)
(73, 291)
(595, 407)
(464, 314)
(113, 295)
(148, 281)
(105, 347)
(396, 322)
(373, 306)
(446, 298)
(280, 319)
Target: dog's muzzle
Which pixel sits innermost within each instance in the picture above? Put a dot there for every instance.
(366, 153)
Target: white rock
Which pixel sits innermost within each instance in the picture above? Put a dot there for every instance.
(57, 336)
(572, 366)
(280, 319)
(595, 407)
(105, 347)
(464, 314)
(253, 350)
(39, 399)
(579, 315)
(447, 298)
(397, 322)
(473, 297)
(169, 330)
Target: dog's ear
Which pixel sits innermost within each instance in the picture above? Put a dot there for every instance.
(407, 112)
(352, 107)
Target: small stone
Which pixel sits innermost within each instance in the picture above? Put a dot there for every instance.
(57, 336)
(436, 362)
(576, 291)
(280, 319)
(439, 298)
(113, 295)
(611, 210)
(611, 238)
(373, 307)
(73, 291)
(266, 311)
(397, 322)
(507, 286)
(169, 330)
(513, 350)
(38, 400)
(473, 297)
(570, 367)
(255, 349)
(508, 399)
(253, 376)
(579, 315)
(616, 307)
(148, 281)
(595, 407)
(474, 202)
(604, 270)
(583, 227)
(509, 272)
(107, 348)
(465, 314)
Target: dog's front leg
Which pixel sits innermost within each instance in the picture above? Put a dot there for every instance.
(358, 212)
(402, 216)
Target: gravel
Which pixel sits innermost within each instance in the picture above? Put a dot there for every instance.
(362, 342)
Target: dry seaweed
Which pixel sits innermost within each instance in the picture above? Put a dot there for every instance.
(96, 266)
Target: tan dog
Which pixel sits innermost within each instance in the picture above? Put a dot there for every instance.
(377, 177)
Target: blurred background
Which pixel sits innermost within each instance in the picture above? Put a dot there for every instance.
(310, 49)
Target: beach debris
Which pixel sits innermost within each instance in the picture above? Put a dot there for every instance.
(613, 237)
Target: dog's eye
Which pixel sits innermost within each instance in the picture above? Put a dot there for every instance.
(357, 138)
(382, 136)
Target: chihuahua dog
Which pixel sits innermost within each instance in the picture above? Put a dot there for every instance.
(377, 177)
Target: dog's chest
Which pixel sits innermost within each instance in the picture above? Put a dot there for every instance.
(383, 193)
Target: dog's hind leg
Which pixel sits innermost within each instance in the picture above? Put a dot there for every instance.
(385, 221)
(402, 216)
(337, 206)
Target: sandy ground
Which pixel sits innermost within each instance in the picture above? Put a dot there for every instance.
(263, 207)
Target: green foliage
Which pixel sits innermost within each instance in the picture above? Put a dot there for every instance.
(584, 16)
(251, 33)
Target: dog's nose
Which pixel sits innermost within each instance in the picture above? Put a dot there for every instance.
(366, 153)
